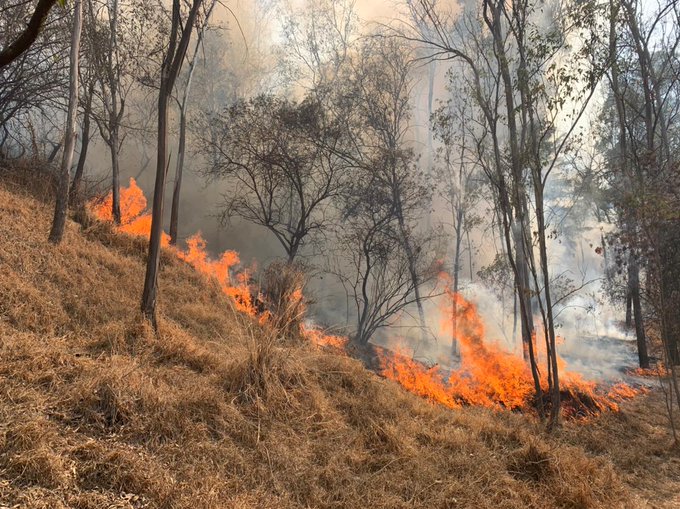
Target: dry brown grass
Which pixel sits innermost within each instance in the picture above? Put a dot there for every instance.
(96, 411)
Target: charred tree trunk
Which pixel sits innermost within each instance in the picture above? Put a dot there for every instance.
(61, 206)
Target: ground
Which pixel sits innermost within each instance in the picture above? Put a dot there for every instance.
(216, 411)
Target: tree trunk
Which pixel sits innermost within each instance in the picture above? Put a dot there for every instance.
(61, 206)
(174, 212)
(115, 175)
(74, 194)
(170, 69)
(634, 289)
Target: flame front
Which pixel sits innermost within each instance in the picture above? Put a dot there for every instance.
(487, 375)
(136, 221)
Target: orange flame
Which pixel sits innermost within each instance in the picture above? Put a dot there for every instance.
(136, 221)
(134, 218)
(489, 376)
(321, 338)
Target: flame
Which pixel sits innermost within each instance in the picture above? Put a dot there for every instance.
(489, 376)
(320, 338)
(196, 256)
(134, 218)
(136, 221)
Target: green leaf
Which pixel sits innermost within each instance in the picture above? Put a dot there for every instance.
(62, 3)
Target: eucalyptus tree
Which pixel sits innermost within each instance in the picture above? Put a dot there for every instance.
(281, 160)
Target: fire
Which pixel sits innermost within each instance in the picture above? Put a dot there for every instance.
(489, 376)
(134, 218)
(321, 338)
(136, 221)
(196, 256)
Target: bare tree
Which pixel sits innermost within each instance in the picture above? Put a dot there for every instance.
(281, 160)
(382, 82)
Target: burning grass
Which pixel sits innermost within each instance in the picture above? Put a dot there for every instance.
(219, 411)
(490, 377)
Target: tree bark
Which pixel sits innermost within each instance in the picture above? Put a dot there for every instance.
(74, 193)
(634, 289)
(61, 206)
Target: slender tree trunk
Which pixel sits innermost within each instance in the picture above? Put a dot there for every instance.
(174, 212)
(174, 209)
(634, 290)
(74, 193)
(458, 221)
(61, 206)
(115, 175)
(169, 71)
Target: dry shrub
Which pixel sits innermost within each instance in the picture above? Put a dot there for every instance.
(266, 376)
(281, 287)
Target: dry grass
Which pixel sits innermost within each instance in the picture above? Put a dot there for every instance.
(96, 411)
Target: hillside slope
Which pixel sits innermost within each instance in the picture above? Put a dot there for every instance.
(215, 412)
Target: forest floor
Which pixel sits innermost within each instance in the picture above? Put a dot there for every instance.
(98, 412)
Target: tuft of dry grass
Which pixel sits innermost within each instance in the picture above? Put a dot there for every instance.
(216, 411)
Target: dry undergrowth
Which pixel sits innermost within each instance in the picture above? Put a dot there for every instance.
(95, 411)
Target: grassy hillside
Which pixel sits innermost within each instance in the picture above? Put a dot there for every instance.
(95, 411)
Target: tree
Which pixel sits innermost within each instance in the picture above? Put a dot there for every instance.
(183, 110)
(26, 38)
(456, 169)
(32, 87)
(382, 82)
(121, 37)
(180, 34)
(61, 205)
(641, 170)
(533, 90)
(373, 265)
(280, 159)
